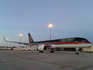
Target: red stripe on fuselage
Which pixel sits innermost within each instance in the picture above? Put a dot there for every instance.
(65, 43)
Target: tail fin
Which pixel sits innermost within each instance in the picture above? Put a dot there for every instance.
(30, 38)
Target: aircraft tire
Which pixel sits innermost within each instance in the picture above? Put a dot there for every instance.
(77, 53)
(51, 51)
(41, 51)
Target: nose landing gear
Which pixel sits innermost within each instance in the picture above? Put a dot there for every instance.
(77, 52)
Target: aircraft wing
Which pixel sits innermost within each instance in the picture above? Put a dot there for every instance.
(16, 42)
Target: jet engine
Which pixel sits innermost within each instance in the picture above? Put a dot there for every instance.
(41, 48)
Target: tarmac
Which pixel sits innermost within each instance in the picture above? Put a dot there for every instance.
(33, 60)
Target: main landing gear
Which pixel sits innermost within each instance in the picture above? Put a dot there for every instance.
(77, 52)
(52, 50)
(41, 51)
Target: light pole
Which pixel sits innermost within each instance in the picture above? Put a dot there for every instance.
(7, 42)
(20, 38)
(50, 26)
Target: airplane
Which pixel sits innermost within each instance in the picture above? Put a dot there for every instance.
(74, 42)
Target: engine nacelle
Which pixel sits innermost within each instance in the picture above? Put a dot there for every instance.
(41, 47)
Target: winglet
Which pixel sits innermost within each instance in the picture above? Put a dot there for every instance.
(4, 38)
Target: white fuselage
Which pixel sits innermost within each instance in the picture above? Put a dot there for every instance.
(82, 45)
